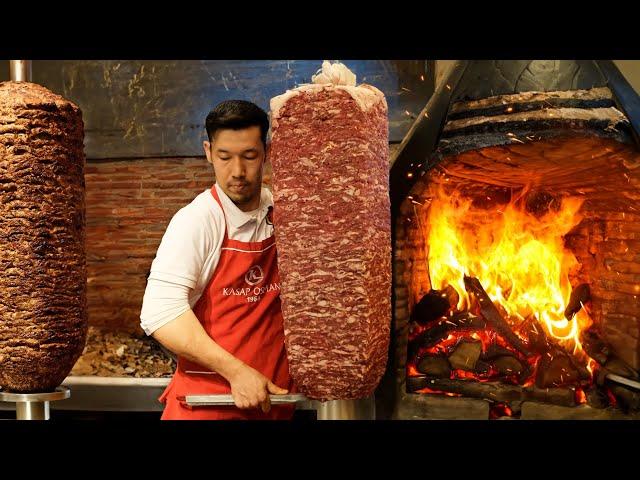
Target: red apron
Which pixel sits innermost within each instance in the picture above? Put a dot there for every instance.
(239, 309)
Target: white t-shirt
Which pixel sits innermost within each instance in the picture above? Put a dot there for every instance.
(189, 252)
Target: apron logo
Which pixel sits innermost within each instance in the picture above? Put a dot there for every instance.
(254, 276)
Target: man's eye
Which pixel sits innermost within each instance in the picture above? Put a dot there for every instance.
(224, 158)
(250, 157)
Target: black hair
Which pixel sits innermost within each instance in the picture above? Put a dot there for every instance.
(237, 115)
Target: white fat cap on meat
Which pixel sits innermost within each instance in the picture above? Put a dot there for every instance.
(333, 75)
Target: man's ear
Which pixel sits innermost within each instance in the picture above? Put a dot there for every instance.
(207, 151)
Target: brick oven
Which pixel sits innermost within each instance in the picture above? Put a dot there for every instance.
(517, 246)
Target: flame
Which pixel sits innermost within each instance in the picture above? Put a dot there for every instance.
(520, 259)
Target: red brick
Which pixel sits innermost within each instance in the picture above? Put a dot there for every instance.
(124, 185)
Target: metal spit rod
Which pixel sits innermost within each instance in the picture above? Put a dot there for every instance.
(20, 70)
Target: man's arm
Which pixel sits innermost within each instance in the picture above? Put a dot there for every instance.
(186, 337)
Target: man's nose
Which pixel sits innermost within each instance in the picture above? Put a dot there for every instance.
(237, 168)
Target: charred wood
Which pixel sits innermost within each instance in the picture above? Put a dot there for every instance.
(596, 397)
(617, 366)
(508, 365)
(535, 333)
(482, 367)
(494, 350)
(465, 355)
(431, 336)
(493, 391)
(579, 296)
(492, 316)
(432, 306)
(629, 400)
(452, 296)
(554, 369)
(594, 346)
(434, 366)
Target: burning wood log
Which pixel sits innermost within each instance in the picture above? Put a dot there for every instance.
(617, 366)
(433, 305)
(544, 345)
(466, 355)
(629, 400)
(527, 370)
(596, 397)
(492, 316)
(554, 369)
(452, 295)
(508, 365)
(579, 296)
(487, 390)
(434, 367)
(433, 335)
(556, 396)
(494, 391)
(482, 367)
(494, 350)
(536, 335)
(594, 346)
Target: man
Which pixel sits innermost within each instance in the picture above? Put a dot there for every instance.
(212, 295)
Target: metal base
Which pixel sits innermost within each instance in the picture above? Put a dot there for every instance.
(360, 409)
(34, 406)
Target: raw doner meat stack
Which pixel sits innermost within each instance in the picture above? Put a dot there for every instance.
(329, 153)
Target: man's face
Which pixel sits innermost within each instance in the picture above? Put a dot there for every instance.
(237, 157)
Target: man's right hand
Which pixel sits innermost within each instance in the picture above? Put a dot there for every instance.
(251, 389)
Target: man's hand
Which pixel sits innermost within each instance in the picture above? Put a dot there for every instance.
(186, 337)
(251, 389)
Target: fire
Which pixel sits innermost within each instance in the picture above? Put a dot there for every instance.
(519, 258)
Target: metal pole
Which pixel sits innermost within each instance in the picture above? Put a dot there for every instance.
(32, 411)
(20, 70)
(360, 409)
(34, 406)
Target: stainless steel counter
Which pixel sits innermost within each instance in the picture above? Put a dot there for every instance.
(126, 394)
(108, 394)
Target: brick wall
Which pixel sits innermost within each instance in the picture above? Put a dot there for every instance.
(129, 204)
